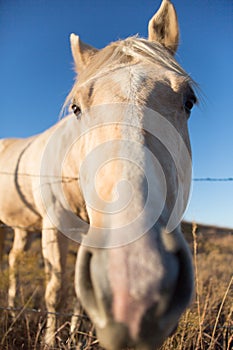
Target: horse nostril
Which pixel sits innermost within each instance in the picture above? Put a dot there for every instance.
(184, 288)
(92, 286)
(87, 271)
(175, 244)
(173, 330)
(83, 279)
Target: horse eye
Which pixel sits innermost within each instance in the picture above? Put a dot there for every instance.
(189, 104)
(76, 109)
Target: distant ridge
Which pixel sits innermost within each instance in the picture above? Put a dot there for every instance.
(204, 230)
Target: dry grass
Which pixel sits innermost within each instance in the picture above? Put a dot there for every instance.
(206, 325)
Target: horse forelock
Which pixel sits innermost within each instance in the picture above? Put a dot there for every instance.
(126, 53)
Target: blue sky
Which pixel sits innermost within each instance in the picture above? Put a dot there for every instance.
(36, 75)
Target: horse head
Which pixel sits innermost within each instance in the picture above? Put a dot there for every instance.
(132, 101)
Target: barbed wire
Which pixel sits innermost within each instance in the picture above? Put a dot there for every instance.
(59, 314)
(36, 229)
(66, 179)
(59, 178)
(213, 179)
(76, 178)
(45, 312)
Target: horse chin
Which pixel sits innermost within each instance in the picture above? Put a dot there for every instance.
(116, 336)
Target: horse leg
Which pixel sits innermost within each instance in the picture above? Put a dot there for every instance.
(19, 246)
(79, 324)
(3, 231)
(54, 249)
(76, 320)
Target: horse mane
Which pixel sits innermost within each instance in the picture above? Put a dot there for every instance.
(124, 53)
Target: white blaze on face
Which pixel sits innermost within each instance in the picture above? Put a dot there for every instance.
(122, 181)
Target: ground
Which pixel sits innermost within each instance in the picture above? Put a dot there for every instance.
(207, 324)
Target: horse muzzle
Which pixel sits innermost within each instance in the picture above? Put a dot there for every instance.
(136, 294)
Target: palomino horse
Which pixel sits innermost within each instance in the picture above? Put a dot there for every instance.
(114, 176)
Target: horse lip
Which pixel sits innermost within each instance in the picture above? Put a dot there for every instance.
(115, 336)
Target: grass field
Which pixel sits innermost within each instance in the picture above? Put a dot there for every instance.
(207, 324)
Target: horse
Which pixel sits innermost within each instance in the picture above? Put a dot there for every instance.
(113, 175)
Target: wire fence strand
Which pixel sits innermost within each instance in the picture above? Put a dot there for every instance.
(76, 178)
(62, 314)
(213, 179)
(43, 312)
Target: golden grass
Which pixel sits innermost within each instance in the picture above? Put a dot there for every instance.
(206, 325)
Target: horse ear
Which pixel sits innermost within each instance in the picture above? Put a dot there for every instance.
(163, 27)
(81, 52)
